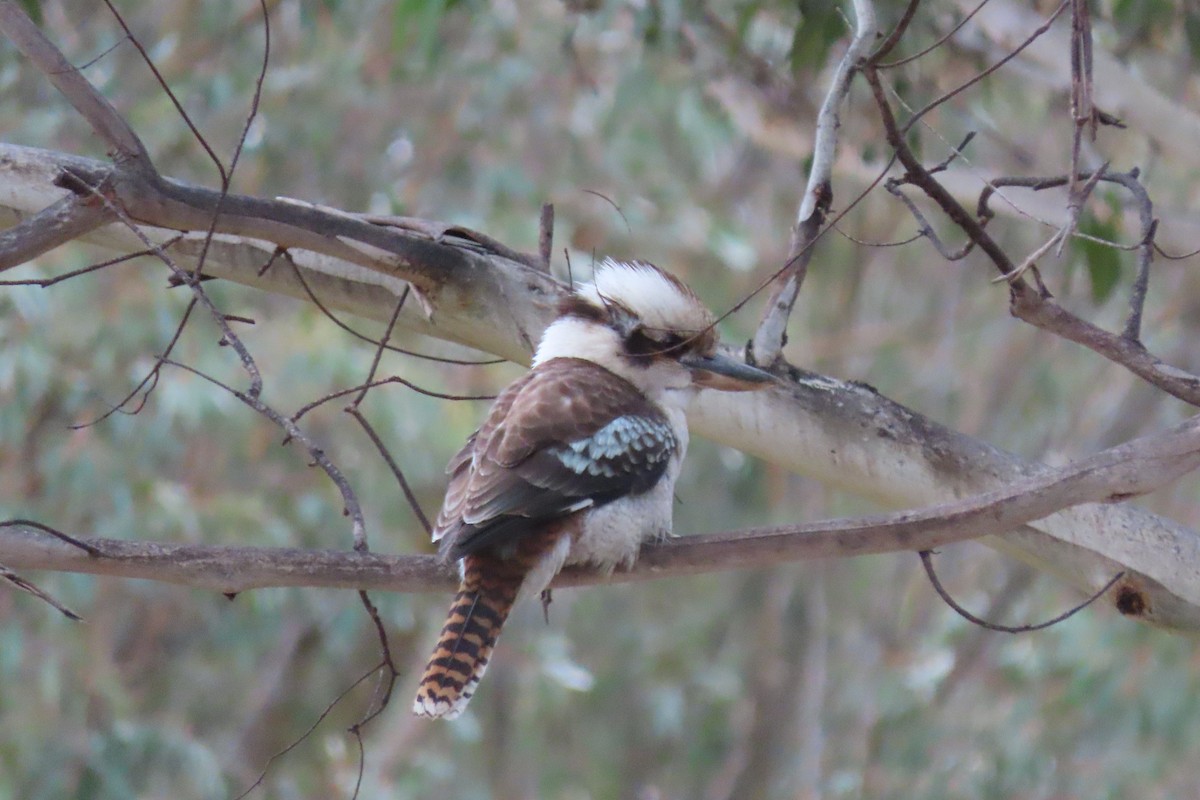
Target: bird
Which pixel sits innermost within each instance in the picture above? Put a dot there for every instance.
(576, 460)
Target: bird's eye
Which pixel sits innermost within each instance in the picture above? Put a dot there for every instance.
(673, 341)
(650, 341)
(639, 343)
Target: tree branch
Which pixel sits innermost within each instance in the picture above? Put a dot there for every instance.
(1116, 474)
(1035, 306)
(59, 223)
(771, 335)
(93, 106)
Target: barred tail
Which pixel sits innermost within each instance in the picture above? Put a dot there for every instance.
(465, 644)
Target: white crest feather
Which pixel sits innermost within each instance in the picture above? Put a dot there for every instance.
(656, 298)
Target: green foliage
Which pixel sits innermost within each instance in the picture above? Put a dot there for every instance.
(1143, 18)
(844, 679)
(1103, 260)
(1191, 29)
(821, 25)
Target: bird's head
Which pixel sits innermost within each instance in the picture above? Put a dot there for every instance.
(648, 327)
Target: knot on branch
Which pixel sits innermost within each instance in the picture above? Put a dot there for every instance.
(1132, 601)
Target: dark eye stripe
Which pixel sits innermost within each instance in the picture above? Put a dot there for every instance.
(649, 342)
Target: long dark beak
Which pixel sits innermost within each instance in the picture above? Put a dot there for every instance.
(724, 373)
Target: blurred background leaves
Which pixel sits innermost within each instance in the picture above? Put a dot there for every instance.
(840, 679)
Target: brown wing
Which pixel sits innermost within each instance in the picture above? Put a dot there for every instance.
(567, 436)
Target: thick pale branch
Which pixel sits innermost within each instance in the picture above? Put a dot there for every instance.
(450, 269)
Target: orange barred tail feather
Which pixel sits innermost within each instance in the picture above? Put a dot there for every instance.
(465, 644)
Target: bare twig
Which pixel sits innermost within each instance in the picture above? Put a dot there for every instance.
(387, 334)
(771, 335)
(86, 546)
(924, 229)
(932, 47)
(1176, 257)
(1034, 306)
(1083, 112)
(1149, 226)
(148, 383)
(12, 578)
(1077, 197)
(352, 409)
(866, 243)
(896, 34)
(387, 666)
(179, 109)
(307, 407)
(1033, 37)
(1032, 259)
(927, 563)
(351, 506)
(409, 494)
(336, 320)
(75, 273)
(262, 776)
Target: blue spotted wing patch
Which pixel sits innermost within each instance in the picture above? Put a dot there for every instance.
(635, 447)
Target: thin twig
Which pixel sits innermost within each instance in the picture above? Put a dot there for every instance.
(893, 38)
(353, 410)
(924, 228)
(299, 273)
(611, 202)
(29, 587)
(1083, 112)
(1033, 37)
(387, 666)
(162, 82)
(87, 547)
(935, 45)
(865, 243)
(1077, 197)
(307, 407)
(75, 273)
(409, 494)
(148, 383)
(387, 334)
(927, 562)
(1179, 257)
(262, 776)
(1032, 258)
(351, 506)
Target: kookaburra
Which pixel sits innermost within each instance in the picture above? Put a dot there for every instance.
(576, 461)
